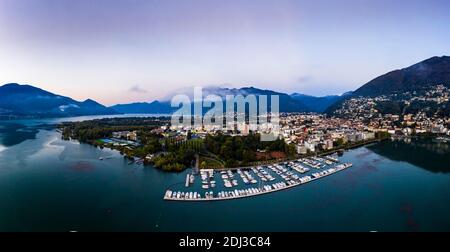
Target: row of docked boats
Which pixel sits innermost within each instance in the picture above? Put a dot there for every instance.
(322, 160)
(238, 193)
(249, 191)
(246, 177)
(311, 163)
(187, 195)
(207, 177)
(181, 195)
(228, 179)
(262, 174)
(332, 158)
(284, 173)
(331, 170)
(298, 167)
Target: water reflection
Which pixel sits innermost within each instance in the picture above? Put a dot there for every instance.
(13, 132)
(48, 184)
(426, 153)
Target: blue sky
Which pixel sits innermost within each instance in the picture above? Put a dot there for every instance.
(123, 51)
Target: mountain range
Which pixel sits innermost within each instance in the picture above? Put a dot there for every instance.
(433, 71)
(294, 102)
(287, 103)
(26, 100)
(154, 107)
(429, 72)
(319, 104)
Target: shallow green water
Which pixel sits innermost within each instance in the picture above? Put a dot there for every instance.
(47, 184)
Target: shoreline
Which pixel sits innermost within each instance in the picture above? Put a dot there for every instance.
(277, 161)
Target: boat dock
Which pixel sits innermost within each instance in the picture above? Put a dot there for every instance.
(291, 180)
(187, 180)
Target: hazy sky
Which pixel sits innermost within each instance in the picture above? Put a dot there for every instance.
(121, 51)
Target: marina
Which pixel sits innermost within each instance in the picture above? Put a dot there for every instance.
(254, 181)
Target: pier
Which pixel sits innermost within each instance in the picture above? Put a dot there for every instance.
(186, 184)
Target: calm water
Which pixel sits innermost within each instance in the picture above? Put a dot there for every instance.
(47, 184)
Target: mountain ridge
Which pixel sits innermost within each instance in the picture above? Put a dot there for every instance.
(27, 100)
(428, 72)
(287, 103)
(16, 99)
(432, 71)
(317, 103)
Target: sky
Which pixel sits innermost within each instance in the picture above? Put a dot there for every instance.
(117, 51)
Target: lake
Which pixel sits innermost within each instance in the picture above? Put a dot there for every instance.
(47, 184)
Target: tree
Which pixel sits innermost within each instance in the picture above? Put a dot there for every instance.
(339, 142)
(189, 135)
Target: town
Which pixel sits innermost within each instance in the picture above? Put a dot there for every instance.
(426, 110)
(359, 121)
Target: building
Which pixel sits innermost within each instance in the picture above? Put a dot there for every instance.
(369, 135)
(301, 149)
(355, 137)
(132, 136)
(329, 144)
(310, 146)
(120, 134)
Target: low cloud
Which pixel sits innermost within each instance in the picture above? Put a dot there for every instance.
(304, 78)
(137, 89)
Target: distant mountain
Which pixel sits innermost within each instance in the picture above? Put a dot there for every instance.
(317, 104)
(287, 103)
(154, 107)
(433, 71)
(26, 100)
